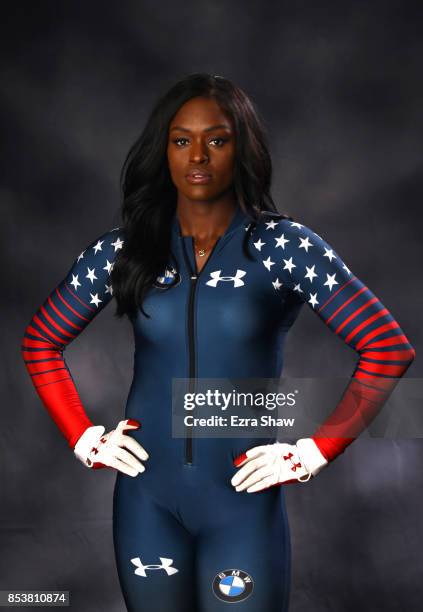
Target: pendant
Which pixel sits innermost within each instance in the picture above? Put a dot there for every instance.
(201, 252)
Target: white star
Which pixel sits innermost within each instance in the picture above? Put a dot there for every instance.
(109, 289)
(329, 254)
(118, 244)
(294, 224)
(281, 241)
(91, 275)
(298, 288)
(97, 247)
(346, 269)
(289, 265)
(271, 224)
(310, 273)
(75, 282)
(277, 284)
(268, 263)
(259, 244)
(331, 281)
(305, 244)
(80, 256)
(312, 299)
(108, 266)
(95, 299)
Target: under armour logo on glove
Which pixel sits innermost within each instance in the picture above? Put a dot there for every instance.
(165, 565)
(294, 466)
(216, 277)
(268, 465)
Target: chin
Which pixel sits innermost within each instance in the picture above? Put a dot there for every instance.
(200, 195)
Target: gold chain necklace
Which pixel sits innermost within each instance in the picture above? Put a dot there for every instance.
(201, 252)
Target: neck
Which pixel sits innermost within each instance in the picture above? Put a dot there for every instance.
(204, 220)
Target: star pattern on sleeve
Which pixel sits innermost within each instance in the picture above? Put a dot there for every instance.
(312, 265)
(97, 273)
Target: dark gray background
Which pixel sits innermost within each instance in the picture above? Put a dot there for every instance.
(339, 87)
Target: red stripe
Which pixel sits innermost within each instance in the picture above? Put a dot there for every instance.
(382, 368)
(335, 294)
(62, 316)
(55, 325)
(398, 339)
(75, 312)
(355, 313)
(34, 332)
(45, 367)
(50, 377)
(78, 298)
(52, 382)
(366, 322)
(344, 304)
(364, 376)
(388, 355)
(49, 333)
(376, 332)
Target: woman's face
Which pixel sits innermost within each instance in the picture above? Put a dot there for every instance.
(201, 138)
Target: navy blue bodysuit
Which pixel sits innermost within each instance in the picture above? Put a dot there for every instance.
(185, 540)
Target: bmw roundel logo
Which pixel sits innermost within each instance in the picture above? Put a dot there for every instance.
(232, 585)
(171, 277)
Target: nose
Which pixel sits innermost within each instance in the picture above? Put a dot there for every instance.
(198, 152)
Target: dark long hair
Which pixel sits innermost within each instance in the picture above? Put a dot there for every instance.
(149, 195)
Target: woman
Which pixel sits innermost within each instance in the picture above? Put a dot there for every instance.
(212, 279)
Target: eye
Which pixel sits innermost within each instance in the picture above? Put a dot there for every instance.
(178, 140)
(221, 140)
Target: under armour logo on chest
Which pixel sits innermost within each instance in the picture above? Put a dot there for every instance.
(216, 277)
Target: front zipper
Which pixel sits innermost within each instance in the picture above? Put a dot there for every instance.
(194, 276)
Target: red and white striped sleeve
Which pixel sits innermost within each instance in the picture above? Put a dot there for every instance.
(69, 308)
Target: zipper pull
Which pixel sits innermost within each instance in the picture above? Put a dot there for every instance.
(194, 277)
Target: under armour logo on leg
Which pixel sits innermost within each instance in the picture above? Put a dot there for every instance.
(165, 565)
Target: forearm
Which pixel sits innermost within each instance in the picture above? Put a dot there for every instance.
(362, 400)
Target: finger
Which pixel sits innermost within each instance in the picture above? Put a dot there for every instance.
(249, 454)
(135, 447)
(265, 483)
(128, 424)
(240, 460)
(256, 451)
(123, 467)
(247, 469)
(256, 476)
(244, 472)
(128, 458)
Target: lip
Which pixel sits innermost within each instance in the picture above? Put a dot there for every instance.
(198, 177)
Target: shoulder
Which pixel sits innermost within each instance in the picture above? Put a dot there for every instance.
(106, 244)
(274, 225)
(97, 257)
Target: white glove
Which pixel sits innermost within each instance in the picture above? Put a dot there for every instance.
(96, 450)
(278, 463)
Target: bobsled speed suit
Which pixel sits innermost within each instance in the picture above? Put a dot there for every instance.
(181, 523)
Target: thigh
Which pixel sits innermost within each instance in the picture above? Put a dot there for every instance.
(153, 551)
(247, 560)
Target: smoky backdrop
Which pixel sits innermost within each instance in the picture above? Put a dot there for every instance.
(339, 88)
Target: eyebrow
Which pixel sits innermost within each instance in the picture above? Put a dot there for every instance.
(209, 129)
